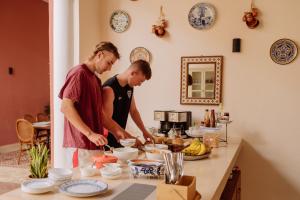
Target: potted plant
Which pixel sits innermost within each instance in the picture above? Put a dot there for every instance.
(38, 161)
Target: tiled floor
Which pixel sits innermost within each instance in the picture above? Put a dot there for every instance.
(6, 187)
(10, 159)
(10, 178)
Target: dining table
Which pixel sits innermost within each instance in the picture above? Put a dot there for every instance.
(41, 128)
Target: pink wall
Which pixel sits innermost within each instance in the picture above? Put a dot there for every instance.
(24, 45)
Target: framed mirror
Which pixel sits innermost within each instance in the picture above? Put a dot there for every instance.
(201, 80)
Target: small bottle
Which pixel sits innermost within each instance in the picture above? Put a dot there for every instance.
(212, 118)
(206, 119)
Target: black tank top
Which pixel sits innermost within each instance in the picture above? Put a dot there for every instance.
(122, 102)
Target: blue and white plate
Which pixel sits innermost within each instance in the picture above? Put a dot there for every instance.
(83, 188)
(283, 51)
(202, 16)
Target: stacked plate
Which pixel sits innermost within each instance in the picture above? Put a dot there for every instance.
(59, 175)
(37, 186)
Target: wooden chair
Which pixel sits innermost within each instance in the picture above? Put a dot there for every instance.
(42, 117)
(29, 118)
(26, 135)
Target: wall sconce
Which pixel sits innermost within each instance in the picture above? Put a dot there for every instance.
(236, 45)
(10, 71)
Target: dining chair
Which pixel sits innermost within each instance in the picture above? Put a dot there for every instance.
(42, 117)
(29, 118)
(25, 133)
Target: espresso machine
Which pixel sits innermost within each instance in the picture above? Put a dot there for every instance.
(181, 120)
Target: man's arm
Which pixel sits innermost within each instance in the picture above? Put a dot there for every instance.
(108, 108)
(135, 115)
(68, 109)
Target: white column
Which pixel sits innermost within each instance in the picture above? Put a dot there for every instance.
(64, 57)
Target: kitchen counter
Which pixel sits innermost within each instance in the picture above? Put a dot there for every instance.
(211, 174)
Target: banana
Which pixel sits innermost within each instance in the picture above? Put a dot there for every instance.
(203, 150)
(195, 148)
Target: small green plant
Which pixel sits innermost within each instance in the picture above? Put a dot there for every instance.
(39, 161)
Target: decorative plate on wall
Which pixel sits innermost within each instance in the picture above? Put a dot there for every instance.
(202, 16)
(119, 21)
(140, 53)
(283, 51)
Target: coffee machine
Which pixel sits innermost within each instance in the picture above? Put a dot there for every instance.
(181, 120)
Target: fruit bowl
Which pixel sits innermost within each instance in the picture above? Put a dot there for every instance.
(197, 157)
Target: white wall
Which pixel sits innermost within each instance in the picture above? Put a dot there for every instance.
(261, 96)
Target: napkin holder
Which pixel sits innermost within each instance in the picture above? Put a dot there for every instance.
(184, 189)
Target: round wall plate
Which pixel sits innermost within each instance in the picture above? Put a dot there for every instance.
(119, 21)
(202, 16)
(283, 51)
(140, 53)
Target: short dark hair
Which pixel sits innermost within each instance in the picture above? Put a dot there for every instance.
(106, 46)
(144, 66)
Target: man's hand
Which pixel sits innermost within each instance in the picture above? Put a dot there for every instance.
(138, 144)
(97, 139)
(148, 137)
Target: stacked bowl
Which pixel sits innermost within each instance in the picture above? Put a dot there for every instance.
(59, 175)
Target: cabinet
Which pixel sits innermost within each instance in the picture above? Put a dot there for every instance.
(202, 83)
(232, 190)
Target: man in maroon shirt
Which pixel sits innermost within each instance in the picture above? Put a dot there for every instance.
(82, 107)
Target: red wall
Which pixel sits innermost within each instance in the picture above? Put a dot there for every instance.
(24, 45)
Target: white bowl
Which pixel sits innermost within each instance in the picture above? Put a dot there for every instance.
(112, 165)
(156, 154)
(60, 173)
(88, 171)
(125, 154)
(129, 142)
(194, 133)
(149, 147)
(111, 172)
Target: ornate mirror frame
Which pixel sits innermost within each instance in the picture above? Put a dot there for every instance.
(217, 62)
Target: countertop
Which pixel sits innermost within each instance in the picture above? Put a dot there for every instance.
(211, 176)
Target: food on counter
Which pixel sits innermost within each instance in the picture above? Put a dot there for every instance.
(178, 141)
(159, 139)
(100, 160)
(196, 148)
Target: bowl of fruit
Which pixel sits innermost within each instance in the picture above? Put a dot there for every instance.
(196, 151)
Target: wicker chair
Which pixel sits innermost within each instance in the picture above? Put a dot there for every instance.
(26, 134)
(29, 118)
(42, 117)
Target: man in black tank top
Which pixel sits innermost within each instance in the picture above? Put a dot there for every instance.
(118, 99)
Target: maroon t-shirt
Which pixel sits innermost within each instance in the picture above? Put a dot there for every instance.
(84, 88)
